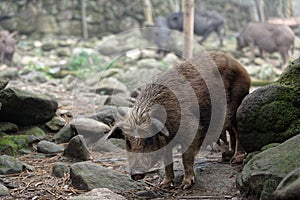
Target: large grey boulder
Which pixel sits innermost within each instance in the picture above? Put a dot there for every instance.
(271, 114)
(49, 147)
(88, 176)
(26, 108)
(289, 187)
(262, 173)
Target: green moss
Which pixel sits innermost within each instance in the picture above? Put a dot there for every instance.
(291, 74)
(11, 144)
(36, 131)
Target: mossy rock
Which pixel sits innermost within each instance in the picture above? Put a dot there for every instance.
(264, 171)
(37, 132)
(271, 114)
(8, 127)
(12, 144)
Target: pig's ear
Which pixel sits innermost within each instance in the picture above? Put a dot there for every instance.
(115, 132)
(160, 126)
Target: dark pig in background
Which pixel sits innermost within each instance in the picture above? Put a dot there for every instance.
(267, 37)
(205, 22)
(161, 34)
(183, 106)
(7, 46)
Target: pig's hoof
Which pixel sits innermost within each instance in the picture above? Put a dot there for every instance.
(238, 159)
(227, 156)
(187, 183)
(166, 183)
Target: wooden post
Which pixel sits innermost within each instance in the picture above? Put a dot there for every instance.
(148, 13)
(83, 19)
(188, 28)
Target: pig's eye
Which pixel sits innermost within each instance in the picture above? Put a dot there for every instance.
(148, 141)
(128, 145)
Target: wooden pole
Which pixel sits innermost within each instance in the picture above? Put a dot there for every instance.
(188, 28)
(148, 13)
(83, 19)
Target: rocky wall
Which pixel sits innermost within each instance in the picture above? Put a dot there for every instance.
(64, 17)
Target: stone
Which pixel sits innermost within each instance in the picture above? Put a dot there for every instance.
(56, 123)
(88, 176)
(8, 127)
(171, 59)
(9, 73)
(264, 171)
(90, 129)
(3, 83)
(118, 101)
(271, 114)
(289, 187)
(59, 169)
(110, 86)
(3, 190)
(99, 194)
(46, 24)
(26, 108)
(77, 149)
(10, 165)
(35, 76)
(104, 145)
(37, 132)
(64, 135)
(49, 147)
(14, 144)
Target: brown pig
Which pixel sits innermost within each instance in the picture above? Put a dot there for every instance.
(188, 105)
(267, 37)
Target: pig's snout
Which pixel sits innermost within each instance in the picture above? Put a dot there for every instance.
(137, 174)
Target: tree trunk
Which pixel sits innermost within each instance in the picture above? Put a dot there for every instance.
(188, 28)
(148, 13)
(260, 10)
(83, 19)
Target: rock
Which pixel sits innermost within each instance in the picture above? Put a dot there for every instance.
(147, 194)
(115, 100)
(9, 73)
(49, 45)
(49, 147)
(104, 145)
(77, 149)
(289, 187)
(107, 114)
(26, 108)
(110, 86)
(138, 76)
(90, 129)
(37, 132)
(3, 83)
(35, 76)
(264, 171)
(99, 194)
(64, 135)
(13, 144)
(3, 190)
(10, 165)
(88, 176)
(8, 127)
(59, 169)
(56, 123)
(271, 114)
(171, 59)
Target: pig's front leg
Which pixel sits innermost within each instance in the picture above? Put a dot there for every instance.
(169, 172)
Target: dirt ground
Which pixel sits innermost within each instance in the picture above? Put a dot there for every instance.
(215, 180)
